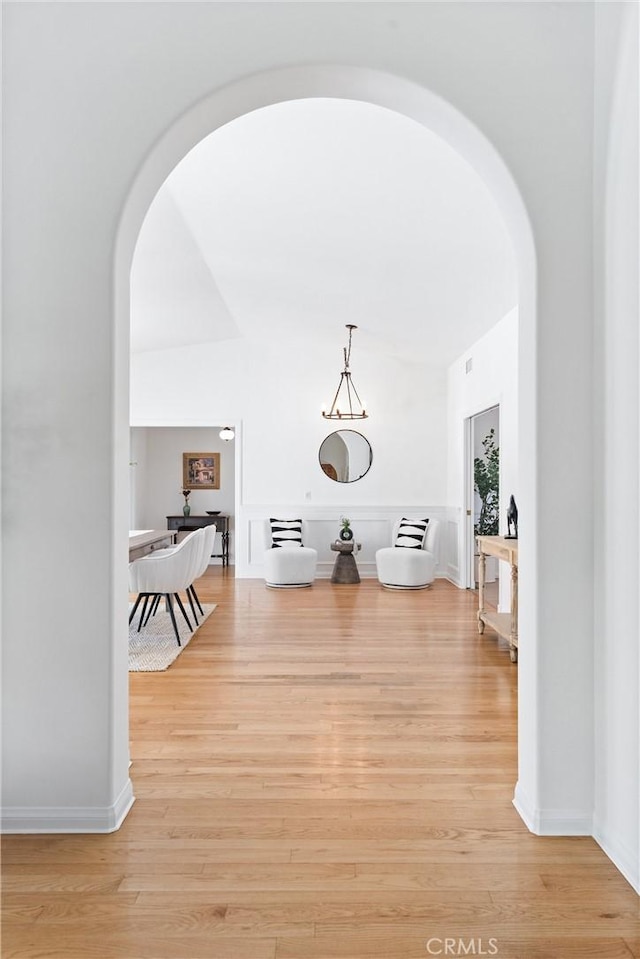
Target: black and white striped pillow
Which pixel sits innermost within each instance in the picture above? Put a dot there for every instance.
(411, 533)
(286, 532)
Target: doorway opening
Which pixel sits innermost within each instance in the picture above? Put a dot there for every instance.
(157, 481)
(483, 497)
(417, 103)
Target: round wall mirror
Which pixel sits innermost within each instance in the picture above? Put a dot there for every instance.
(345, 456)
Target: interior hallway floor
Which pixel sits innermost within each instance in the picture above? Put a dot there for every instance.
(323, 773)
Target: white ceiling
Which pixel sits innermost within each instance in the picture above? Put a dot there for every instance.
(299, 218)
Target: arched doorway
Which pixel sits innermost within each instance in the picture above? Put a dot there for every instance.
(442, 119)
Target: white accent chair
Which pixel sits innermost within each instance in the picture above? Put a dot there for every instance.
(400, 567)
(289, 566)
(155, 575)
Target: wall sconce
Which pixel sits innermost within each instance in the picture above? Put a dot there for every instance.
(226, 434)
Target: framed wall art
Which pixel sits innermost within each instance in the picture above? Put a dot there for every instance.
(201, 470)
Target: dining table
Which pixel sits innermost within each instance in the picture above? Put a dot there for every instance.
(143, 541)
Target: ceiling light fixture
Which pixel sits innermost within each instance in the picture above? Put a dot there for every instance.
(351, 406)
(226, 434)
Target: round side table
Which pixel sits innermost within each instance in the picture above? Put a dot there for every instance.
(345, 569)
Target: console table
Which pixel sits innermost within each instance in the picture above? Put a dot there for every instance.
(188, 523)
(505, 624)
(345, 569)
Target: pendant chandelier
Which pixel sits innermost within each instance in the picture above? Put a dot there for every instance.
(346, 405)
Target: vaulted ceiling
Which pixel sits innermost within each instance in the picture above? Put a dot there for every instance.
(296, 219)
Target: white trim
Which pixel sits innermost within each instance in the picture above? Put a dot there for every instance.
(69, 819)
(450, 546)
(624, 857)
(552, 822)
(466, 541)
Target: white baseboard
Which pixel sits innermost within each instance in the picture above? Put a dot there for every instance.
(622, 856)
(453, 575)
(552, 822)
(55, 819)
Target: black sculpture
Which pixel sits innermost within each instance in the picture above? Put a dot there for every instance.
(512, 518)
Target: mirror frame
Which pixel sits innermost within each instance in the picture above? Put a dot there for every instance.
(323, 466)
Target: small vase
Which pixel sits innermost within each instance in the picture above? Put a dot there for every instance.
(346, 534)
(186, 509)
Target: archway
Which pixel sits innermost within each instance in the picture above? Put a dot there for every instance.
(444, 120)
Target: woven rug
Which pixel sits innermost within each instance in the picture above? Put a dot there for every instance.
(155, 647)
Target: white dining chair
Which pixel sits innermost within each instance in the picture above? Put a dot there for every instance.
(165, 573)
(209, 535)
(153, 606)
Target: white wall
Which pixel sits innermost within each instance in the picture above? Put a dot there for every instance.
(86, 146)
(616, 452)
(493, 380)
(158, 476)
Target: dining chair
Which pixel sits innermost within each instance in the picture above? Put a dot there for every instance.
(153, 606)
(164, 574)
(209, 535)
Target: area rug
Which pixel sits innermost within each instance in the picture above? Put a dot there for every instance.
(154, 648)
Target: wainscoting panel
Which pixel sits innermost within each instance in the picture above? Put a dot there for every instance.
(453, 549)
(372, 527)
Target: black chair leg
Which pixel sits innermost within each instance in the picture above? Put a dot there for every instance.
(135, 606)
(173, 617)
(184, 612)
(193, 609)
(152, 608)
(144, 610)
(195, 596)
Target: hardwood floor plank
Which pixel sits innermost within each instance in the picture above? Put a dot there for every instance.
(300, 905)
(633, 944)
(45, 943)
(416, 948)
(322, 774)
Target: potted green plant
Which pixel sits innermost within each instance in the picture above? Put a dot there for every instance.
(346, 533)
(486, 483)
(486, 475)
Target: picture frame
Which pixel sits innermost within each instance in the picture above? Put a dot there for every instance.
(201, 470)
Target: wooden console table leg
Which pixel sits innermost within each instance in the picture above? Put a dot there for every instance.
(225, 548)
(482, 566)
(513, 638)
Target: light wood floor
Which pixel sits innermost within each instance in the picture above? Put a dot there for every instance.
(324, 773)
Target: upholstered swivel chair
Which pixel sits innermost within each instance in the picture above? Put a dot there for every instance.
(402, 567)
(290, 564)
